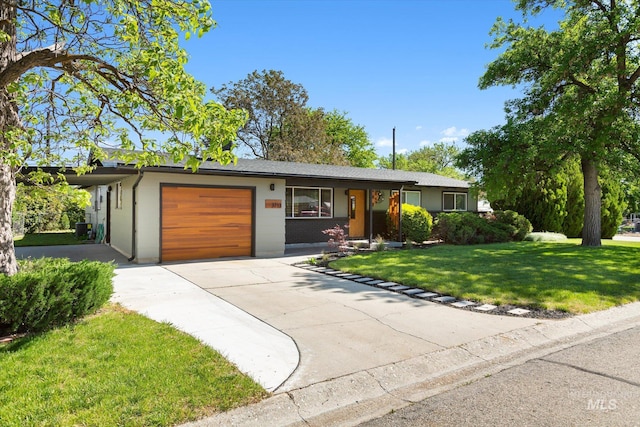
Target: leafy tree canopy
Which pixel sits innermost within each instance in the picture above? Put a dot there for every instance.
(282, 127)
(352, 138)
(440, 158)
(581, 91)
(78, 75)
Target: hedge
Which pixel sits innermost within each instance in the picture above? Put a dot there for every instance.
(465, 228)
(48, 292)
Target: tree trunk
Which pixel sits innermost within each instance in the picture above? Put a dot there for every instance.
(9, 122)
(591, 231)
(8, 264)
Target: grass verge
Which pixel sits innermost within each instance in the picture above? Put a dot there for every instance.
(116, 368)
(554, 276)
(50, 238)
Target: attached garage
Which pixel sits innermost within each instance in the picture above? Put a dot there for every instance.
(200, 222)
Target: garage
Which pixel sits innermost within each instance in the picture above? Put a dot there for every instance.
(200, 222)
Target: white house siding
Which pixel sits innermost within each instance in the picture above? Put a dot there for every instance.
(121, 218)
(340, 202)
(269, 223)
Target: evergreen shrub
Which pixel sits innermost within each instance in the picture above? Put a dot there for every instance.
(47, 293)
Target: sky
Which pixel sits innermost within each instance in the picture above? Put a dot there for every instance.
(409, 64)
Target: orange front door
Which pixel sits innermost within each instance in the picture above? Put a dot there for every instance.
(356, 213)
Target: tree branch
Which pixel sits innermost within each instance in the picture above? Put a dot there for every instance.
(46, 56)
(634, 77)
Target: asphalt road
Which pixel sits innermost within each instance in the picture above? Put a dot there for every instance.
(592, 384)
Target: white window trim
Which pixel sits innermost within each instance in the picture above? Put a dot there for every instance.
(405, 192)
(289, 214)
(394, 192)
(455, 207)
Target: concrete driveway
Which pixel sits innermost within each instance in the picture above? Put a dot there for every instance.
(95, 252)
(340, 326)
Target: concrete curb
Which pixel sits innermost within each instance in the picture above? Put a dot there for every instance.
(368, 394)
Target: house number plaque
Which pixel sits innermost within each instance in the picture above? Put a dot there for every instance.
(272, 204)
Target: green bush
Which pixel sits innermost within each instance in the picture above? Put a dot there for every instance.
(517, 224)
(466, 228)
(48, 292)
(545, 237)
(457, 228)
(416, 223)
(64, 222)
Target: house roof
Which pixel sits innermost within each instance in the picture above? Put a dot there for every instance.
(271, 168)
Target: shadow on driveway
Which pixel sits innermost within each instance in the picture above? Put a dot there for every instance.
(93, 252)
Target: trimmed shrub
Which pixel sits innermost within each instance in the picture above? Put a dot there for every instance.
(416, 223)
(466, 228)
(545, 237)
(517, 224)
(456, 228)
(47, 293)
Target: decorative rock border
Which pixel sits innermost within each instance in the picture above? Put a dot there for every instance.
(436, 297)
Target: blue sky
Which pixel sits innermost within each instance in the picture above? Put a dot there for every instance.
(409, 64)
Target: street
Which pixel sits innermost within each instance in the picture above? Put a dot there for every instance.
(592, 384)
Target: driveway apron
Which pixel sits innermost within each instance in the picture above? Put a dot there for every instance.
(257, 349)
(340, 326)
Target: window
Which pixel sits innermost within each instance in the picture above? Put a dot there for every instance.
(118, 195)
(410, 197)
(454, 201)
(303, 202)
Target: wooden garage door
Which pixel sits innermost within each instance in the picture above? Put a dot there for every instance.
(206, 222)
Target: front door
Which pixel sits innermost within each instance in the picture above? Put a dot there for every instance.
(356, 213)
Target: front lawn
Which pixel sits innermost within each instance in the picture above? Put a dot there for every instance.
(48, 238)
(554, 276)
(116, 368)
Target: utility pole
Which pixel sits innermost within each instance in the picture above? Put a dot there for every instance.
(393, 156)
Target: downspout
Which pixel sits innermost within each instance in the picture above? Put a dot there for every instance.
(393, 156)
(400, 214)
(133, 216)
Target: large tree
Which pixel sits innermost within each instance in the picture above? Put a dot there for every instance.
(303, 138)
(282, 127)
(77, 75)
(581, 87)
(274, 104)
(547, 190)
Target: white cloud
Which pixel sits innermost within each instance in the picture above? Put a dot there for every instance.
(384, 142)
(402, 151)
(454, 132)
(418, 127)
(425, 143)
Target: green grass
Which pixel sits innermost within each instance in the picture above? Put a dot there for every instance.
(555, 276)
(116, 368)
(50, 238)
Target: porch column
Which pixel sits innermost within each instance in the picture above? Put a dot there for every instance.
(370, 216)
